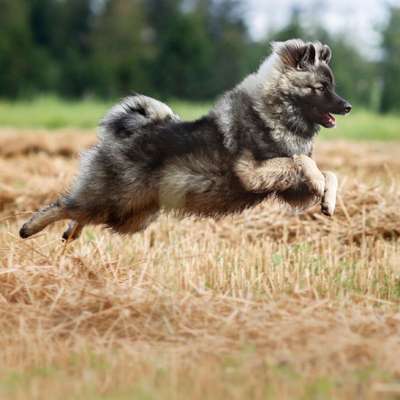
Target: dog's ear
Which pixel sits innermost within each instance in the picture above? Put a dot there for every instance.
(295, 53)
(325, 54)
(308, 57)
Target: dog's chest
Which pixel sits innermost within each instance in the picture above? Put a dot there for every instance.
(290, 144)
(298, 145)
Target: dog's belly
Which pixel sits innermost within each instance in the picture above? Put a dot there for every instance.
(203, 185)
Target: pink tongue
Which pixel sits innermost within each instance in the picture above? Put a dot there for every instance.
(330, 119)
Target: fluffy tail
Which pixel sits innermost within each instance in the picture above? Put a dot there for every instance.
(132, 113)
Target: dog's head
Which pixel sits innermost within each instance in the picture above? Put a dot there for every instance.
(308, 81)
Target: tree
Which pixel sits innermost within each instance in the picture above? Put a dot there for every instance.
(71, 45)
(122, 48)
(44, 24)
(232, 45)
(16, 49)
(192, 49)
(390, 65)
(202, 46)
(182, 64)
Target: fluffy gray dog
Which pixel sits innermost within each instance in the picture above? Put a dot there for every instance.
(255, 143)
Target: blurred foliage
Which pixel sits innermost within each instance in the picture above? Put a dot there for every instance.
(391, 63)
(191, 49)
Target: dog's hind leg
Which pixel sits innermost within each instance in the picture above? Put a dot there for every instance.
(328, 203)
(73, 231)
(45, 216)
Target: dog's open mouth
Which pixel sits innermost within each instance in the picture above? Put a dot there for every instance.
(328, 120)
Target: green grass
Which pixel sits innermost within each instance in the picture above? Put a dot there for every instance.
(53, 113)
(365, 125)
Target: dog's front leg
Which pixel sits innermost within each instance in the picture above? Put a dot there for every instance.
(323, 184)
(279, 174)
(314, 178)
(328, 203)
(276, 174)
(285, 175)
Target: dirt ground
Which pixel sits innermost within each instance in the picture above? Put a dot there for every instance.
(263, 305)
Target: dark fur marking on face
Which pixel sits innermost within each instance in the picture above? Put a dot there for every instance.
(326, 73)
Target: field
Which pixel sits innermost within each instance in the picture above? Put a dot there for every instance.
(262, 305)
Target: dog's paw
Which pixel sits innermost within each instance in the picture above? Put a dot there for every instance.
(68, 236)
(328, 203)
(327, 208)
(314, 178)
(316, 184)
(72, 232)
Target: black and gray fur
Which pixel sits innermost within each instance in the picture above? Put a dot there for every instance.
(255, 143)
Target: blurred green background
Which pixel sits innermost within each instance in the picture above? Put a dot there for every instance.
(63, 62)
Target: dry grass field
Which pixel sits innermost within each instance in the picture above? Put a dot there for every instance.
(262, 305)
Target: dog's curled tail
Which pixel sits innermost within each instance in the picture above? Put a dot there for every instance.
(132, 113)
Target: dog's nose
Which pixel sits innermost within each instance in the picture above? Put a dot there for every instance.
(347, 107)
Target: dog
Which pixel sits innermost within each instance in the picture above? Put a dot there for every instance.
(255, 143)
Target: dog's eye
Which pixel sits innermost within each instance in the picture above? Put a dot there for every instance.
(320, 88)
